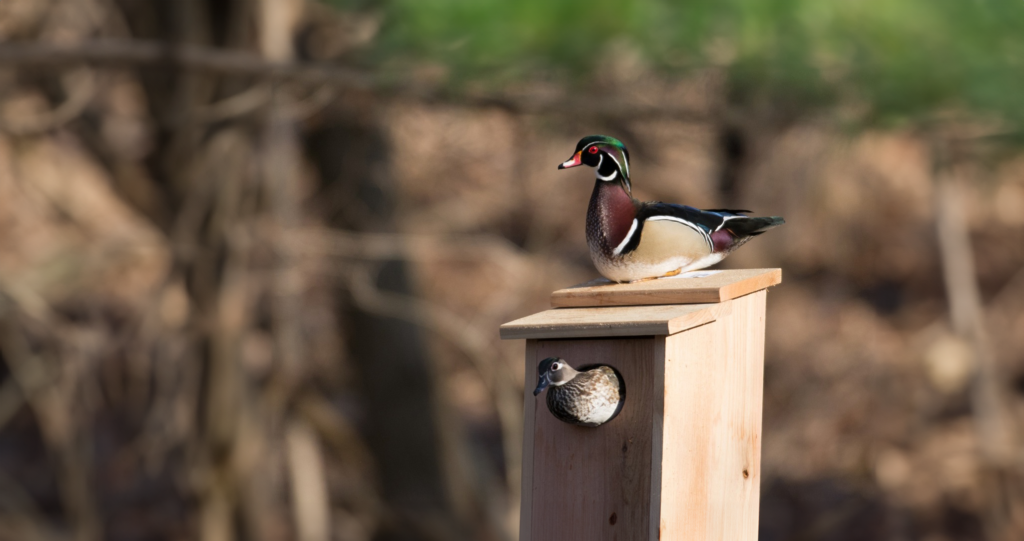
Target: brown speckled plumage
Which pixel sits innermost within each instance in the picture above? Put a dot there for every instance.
(591, 392)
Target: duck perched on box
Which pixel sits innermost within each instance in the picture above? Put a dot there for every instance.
(588, 397)
(631, 241)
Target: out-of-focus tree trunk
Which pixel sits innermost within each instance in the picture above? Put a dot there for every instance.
(310, 503)
(389, 354)
(996, 430)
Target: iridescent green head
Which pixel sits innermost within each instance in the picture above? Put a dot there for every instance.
(607, 154)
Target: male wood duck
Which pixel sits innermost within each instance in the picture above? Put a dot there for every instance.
(588, 398)
(632, 241)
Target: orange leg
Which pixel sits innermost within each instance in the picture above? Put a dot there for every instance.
(666, 275)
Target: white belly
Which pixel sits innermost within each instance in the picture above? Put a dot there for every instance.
(601, 412)
(627, 270)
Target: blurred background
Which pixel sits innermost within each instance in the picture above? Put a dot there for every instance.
(254, 253)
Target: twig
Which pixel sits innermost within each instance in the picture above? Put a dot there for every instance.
(996, 432)
(53, 409)
(309, 491)
(310, 503)
(313, 104)
(995, 428)
(141, 53)
(384, 246)
(243, 103)
(80, 86)
(118, 53)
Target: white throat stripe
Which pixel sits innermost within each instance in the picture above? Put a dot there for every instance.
(598, 170)
(632, 229)
(626, 170)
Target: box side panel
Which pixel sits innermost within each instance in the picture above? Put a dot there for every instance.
(711, 451)
(592, 484)
(529, 405)
(657, 438)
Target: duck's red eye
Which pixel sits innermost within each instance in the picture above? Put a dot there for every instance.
(592, 150)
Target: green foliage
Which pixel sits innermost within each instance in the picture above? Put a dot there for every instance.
(899, 59)
(511, 38)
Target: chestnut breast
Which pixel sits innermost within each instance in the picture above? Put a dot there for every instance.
(610, 216)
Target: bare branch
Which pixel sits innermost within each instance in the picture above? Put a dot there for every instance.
(237, 105)
(238, 62)
(80, 85)
(138, 52)
(310, 502)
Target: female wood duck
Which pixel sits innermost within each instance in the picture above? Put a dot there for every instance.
(589, 398)
(632, 241)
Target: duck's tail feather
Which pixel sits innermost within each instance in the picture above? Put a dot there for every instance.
(750, 227)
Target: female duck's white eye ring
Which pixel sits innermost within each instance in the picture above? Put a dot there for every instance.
(556, 366)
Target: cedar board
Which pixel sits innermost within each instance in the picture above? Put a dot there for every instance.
(584, 483)
(611, 321)
(704, 286)
(708, 453)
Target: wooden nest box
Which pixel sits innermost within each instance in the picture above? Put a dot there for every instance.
(682, 460)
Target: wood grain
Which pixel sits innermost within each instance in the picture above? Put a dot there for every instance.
(707, 286)
(529, 414)
(710, 449)
(683, 459)
(590, 484)
(610, 321)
